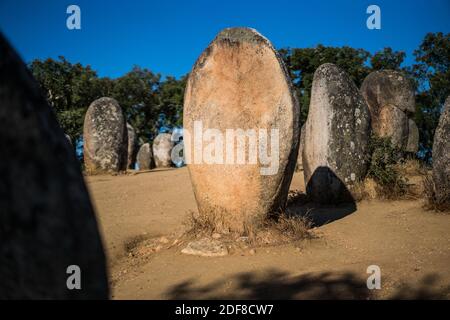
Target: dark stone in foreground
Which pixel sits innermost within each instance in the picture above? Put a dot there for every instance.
(441, 156)
(47, 222)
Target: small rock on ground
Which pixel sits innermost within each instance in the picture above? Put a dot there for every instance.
(206, 248)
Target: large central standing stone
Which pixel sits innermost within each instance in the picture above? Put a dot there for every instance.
(105, 137)
(336, 136)
(240, 83)
(47, 222)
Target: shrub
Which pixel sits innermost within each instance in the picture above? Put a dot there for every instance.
(384, 170)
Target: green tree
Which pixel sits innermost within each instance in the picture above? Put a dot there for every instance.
(171, 96)
(137, 94)
(69, 89)
(303, 62)
(432, 76)
(387, 59)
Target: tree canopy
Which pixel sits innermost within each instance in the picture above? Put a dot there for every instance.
(144, 95)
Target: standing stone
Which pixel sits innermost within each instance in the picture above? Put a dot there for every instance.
(413, 137)
(105, 137)
(441, 156)
(384, 87)
(300, 149)
(46, 218)
(132, 146)
(390, 98)
(240, 83)
(145, 157)
(336, 136)
(162, 148)
(393, 123)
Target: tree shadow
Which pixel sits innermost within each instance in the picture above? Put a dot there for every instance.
(275, 284)
(278, 285)
(327, 199)
(427, 289)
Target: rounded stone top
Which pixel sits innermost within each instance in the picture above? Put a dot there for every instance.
(241, 34)
(388, 87)
(104, 110)
(329, 70)
(335, 81)
(104, 101)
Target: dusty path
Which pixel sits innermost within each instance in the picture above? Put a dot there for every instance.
(410, 245)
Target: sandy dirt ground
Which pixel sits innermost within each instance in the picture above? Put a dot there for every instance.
(410, 245)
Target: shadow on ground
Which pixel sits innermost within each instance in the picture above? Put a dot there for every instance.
(278, 285)
(319, 214)
(327, 198)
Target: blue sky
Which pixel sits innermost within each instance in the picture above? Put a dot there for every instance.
(167, 36)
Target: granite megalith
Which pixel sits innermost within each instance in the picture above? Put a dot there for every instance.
(241, 130)
(413, 137)
(300, 148)
(390, 97)
(48, 225)
(337, 135)
(441, 156)
(162, 150)
(105, 137)
(145, 157)
(132, 146)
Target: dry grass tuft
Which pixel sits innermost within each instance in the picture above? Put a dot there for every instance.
(272, 230)
(412, 167)
(204, 224)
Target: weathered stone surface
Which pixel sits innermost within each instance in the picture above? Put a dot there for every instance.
(413, 137)
(390, 98)
(392, 123)
(384, 87)
(47, 221)
(162, 148)
(132, 146)
(336, 136)
(300, 148)
(105, 137)
(145, 157)
(240, 82)
(206, 248)
(441, 155)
